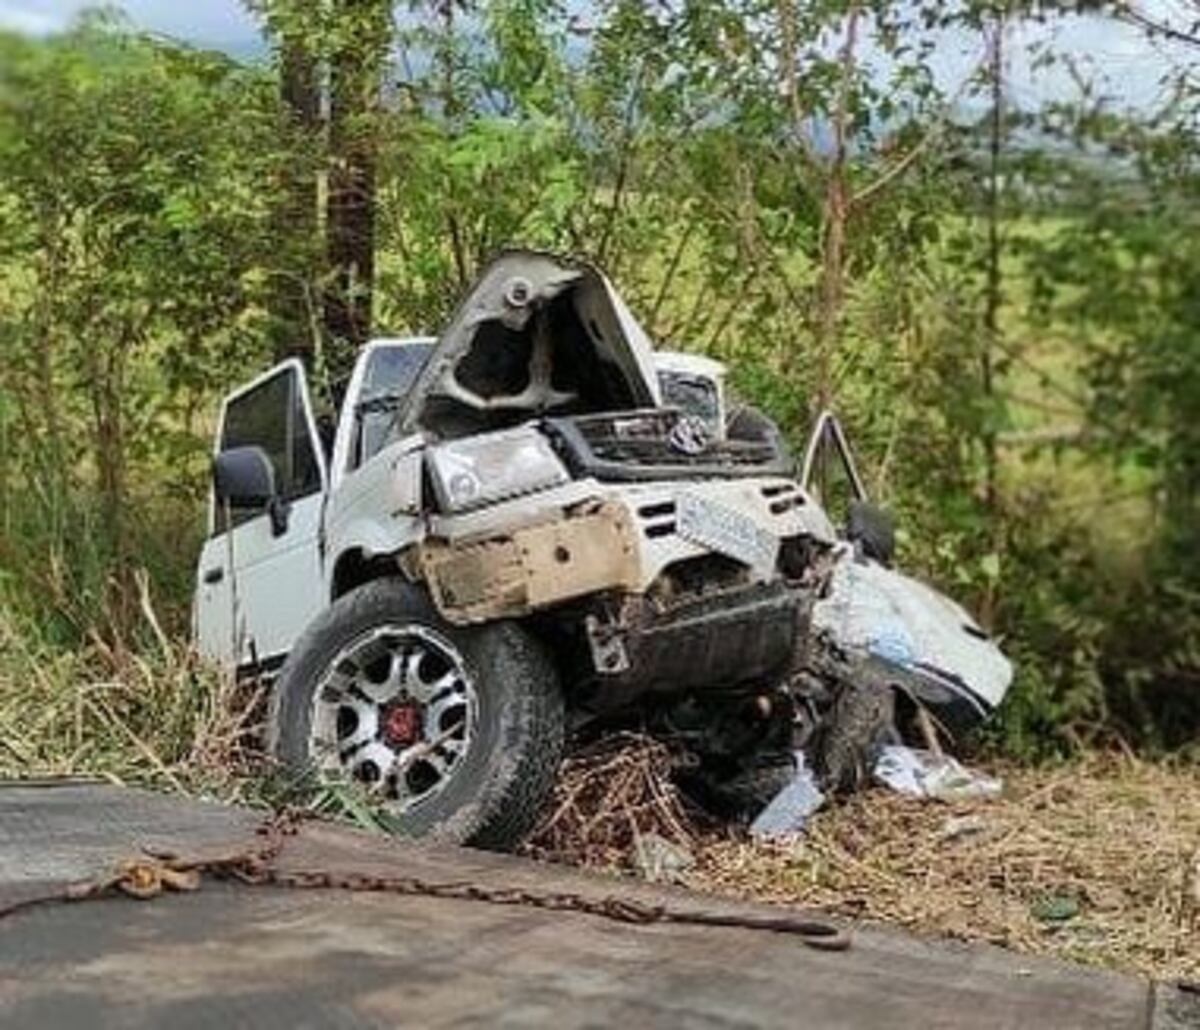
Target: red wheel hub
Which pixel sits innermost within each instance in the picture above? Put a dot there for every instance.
(402, 725)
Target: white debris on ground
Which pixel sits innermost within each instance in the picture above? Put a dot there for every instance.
(788, 810)
(905, 770)
(923, 774)
(659, 860)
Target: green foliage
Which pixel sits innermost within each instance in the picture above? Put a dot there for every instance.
(691, 150)
(134, 222)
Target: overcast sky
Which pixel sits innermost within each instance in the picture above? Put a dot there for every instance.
(1130, 64)
(222, 22)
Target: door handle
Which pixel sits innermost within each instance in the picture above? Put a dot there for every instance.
(214, 575)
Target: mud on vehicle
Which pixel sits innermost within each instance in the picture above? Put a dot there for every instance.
(509, 531)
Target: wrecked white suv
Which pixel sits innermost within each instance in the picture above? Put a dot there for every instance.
(508, 533)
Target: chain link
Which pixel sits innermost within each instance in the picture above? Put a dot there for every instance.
(160, 872)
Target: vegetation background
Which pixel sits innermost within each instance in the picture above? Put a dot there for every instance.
(1000, 298)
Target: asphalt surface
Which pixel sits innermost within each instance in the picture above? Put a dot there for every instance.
(264, 957)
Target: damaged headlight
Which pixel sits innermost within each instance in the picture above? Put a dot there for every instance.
(487, 469)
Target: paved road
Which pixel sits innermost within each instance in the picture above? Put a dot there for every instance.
(267, 957)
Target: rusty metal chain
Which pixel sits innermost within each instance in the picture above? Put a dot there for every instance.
(161, 872)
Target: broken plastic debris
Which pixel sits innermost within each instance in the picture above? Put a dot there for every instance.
(957, 826)
(660, 860)
(788, 810)
(923, 774)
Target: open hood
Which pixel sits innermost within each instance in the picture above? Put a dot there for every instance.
(536, 334)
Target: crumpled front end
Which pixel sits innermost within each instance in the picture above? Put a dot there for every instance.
(659, 552)
(667, 542)
(922, 641)
(660, 586)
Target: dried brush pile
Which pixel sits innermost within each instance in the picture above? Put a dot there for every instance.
(1097, 861)
(610, 792)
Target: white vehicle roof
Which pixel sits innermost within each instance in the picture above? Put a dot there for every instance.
(400, 341)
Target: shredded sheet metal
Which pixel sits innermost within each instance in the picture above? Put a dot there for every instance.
(882, 614)
(789, 810)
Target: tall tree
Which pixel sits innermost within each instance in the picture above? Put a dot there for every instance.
(993, 291)
(359, 43)
(296, 210)
(296, 27)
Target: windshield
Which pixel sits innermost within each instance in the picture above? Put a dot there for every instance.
(387, 379)
(693, 395)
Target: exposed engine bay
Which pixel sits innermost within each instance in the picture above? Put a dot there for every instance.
(535, 336)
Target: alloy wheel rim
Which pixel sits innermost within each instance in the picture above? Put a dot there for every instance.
(395, 712)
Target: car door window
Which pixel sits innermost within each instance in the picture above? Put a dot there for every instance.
(272, 415)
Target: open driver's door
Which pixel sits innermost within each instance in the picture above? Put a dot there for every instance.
(260, 580)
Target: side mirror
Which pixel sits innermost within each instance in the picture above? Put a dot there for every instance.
(873, 529)
(243, 477)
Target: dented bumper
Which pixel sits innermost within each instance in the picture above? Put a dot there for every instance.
(738, 636)
(532, 568)
(613, 540)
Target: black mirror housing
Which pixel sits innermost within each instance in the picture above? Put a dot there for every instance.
(244, 477)
(873, 529)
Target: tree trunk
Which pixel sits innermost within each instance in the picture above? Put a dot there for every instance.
(831, 292)
(356, 67)
(991, 313)
(451, 109)
(296, 208)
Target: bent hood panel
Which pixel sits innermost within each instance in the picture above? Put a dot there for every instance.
(504, 324)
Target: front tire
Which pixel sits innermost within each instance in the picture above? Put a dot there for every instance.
(458, 731)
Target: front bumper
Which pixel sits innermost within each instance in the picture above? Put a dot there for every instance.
(736, 637)
(587, 538)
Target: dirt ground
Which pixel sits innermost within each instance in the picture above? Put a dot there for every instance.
(1096, 861)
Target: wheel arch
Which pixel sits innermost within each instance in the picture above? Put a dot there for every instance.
(356, 566)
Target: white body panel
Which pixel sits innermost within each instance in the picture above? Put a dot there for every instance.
(213, 616)
(278, 580)
(377, 508)
(876, 612)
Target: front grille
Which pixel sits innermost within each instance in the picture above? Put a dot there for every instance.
(645, 439)
(637, 445)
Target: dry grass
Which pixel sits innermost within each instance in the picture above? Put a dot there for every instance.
(1096, 861)
(153, 714)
